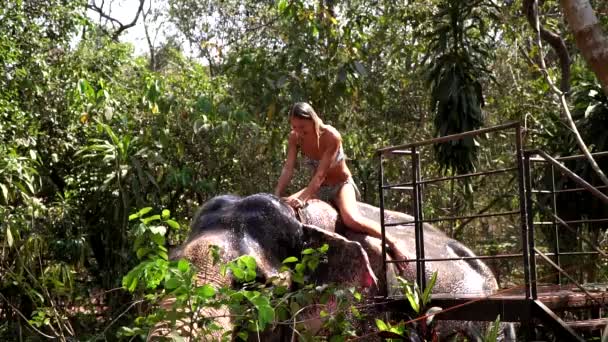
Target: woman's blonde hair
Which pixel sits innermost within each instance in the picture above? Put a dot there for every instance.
(303, 110)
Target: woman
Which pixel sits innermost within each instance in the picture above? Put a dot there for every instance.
(321, 149)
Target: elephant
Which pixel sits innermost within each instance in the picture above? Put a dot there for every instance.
(263, 226)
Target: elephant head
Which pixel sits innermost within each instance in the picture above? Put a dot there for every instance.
(264, 227)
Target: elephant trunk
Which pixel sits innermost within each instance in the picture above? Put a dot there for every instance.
(199, 253)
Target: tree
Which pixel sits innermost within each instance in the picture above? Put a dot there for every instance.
(589, 37)
(583, 25)
(459, 52)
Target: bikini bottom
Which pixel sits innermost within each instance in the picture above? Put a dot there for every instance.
(328, 193)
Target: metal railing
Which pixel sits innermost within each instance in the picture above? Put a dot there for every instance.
(526, 209)
(537, 156)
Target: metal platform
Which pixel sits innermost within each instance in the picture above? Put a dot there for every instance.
(511, 304)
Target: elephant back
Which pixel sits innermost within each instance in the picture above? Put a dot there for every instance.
(321, 214)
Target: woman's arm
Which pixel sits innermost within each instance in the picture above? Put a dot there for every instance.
(287, 172)
(330, 145)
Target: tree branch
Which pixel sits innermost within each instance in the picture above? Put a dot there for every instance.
(25, 318)
(554, 40)
(148, 39)
(121, 27)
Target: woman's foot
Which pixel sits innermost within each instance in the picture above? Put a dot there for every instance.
(397, 255)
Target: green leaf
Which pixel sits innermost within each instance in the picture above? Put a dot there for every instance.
(159, 240)
(249, 261)
(282, 5)
(183, 265)
(238, 273)
(172, 283)
(381, 325)
(258, 300)
(412, 297)
(147, 220)
(215, 253)
(426, 296)
(337, 338)
(298, 278)
(265, 315)
(141, 252)
(130, 280)
(165, 214)
(205, 291)
(172, 224)
(308, 251)
(290, 260)
(324, 248)
(243, 335)
(144, 211)
(355, 311)
(312, 264)
(294, 307)
(133, 216)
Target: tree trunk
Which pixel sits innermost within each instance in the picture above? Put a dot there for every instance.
(590, 39)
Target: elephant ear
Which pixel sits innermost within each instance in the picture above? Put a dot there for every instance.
(268, 265)
(347, 262)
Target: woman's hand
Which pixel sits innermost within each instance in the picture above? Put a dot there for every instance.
(294, 202)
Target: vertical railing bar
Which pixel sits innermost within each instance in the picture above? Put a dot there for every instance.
(531, 242)
(555, 226)
(382, 227)
(419, 193)
(415, 186)
(522, 208)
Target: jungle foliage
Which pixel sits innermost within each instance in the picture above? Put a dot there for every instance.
(91, 133)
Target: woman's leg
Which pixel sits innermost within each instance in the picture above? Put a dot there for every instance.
(346, 201)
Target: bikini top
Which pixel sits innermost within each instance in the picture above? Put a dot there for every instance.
(312, 164)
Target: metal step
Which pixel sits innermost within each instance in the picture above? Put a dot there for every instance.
(588, 325)
(562, 330)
